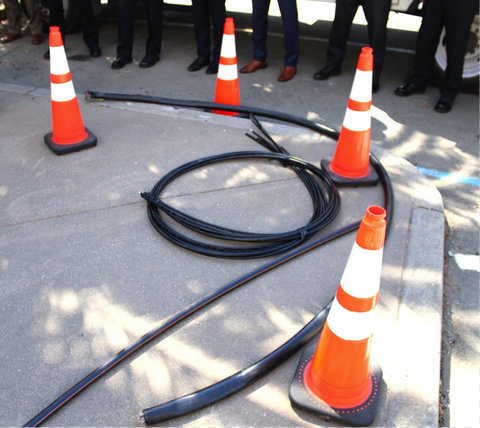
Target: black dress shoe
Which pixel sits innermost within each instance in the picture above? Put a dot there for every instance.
(444, 104)
(199, 62)
(95, 51)
(326, 72)
(409, 89)
(120, 63)
(212, 68)
(46, 55)
(148, 61)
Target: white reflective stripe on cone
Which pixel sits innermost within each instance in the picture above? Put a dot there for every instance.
(58, 61)
(361, 277)
(228, 46)
(350, 325)
(62, 91)
(362, 86)
(357, 120)
(227, 72)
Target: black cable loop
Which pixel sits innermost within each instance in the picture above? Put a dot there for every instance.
(323, 193)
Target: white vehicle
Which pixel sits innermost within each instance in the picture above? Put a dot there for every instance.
(471, 70)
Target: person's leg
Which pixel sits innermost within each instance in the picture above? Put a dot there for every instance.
(201, 24)
(218, 14)
(457, 28)
(14, 15)
(427, 42)
(35, 20)
(89, 24)
(125, 14)
(154, 10)
(289, 13)
(260, 27)
(376, 12)
(56, 15)
(337, 43)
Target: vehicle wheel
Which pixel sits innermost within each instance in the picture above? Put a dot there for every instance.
(471, 67)
(71, 15)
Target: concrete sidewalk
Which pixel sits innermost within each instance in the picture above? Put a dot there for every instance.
(83, 273)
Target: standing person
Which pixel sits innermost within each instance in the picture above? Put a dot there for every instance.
(14, 14)
(376, 12)
(457, 19)
(289, 12)
(125, 20)
(89, 24)
(202, 11)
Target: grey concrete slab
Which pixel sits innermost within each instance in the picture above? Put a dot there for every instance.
(83, 273)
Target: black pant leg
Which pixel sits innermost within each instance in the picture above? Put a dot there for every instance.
(260, 28)
(89, 23)
(218, 14)
(428, 38)
(288, 9)
(56, 15)
(376, 13)
(337, 43)
(457, 28)
(125, 15)
(201, 27)
(154, 10)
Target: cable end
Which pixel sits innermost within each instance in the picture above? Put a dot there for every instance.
(141, 419)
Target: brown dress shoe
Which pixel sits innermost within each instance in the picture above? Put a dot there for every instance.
(37, 39)
(9, 38)
(287, 73)
(253, 66)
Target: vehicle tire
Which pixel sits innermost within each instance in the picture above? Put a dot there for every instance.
(71, 15)
(471, 67)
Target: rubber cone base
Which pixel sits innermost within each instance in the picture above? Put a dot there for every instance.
(302, 398)
(341, 181)
(61, 149)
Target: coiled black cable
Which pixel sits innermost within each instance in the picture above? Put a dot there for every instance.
(324, 194)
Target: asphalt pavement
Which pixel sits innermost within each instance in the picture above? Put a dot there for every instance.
(83, 273)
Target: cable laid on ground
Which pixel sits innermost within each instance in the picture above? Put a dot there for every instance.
(179, 316)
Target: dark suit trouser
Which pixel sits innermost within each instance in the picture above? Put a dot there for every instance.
(456, 17)
(289, 12)
(89, 23)
(376, 12)
(125, 20)
(203, 10)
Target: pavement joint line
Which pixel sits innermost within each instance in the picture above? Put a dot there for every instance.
(70, 214)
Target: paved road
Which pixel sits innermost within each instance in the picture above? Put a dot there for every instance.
(445, 146)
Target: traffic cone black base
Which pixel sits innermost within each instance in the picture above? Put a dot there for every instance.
(371, 179)
(302, 398)
(60, 149)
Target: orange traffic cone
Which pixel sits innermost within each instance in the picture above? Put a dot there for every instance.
(227, 90)
(68, 133)
(336, 381)
(350, 164)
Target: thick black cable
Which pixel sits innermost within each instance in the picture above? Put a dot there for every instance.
(205, 105)
(231, 385)
(234, 383)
